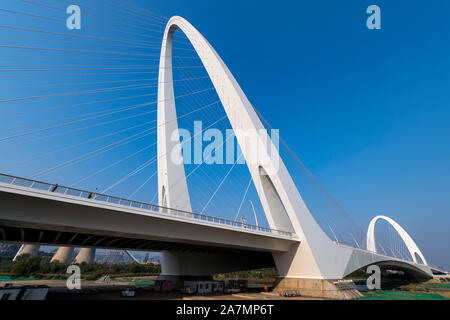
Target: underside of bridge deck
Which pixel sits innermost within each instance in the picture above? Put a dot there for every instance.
(194, 259)
(11, 233)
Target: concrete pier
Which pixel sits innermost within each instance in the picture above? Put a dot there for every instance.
(31, 249)
(86, 255)
(63, 255)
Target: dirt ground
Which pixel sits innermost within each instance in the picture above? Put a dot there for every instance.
(142, 294)
(91, 290)
(433, 287)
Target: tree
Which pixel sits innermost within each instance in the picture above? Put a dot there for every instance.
(26, 266)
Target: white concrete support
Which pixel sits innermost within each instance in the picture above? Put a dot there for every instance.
(31, 249)
(284, 207)
(86, 255)
(172, 186)
(63, 255)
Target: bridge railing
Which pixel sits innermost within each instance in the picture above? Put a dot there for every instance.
(93, 196)
(381, 254)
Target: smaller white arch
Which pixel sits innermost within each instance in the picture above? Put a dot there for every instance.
(409, 242)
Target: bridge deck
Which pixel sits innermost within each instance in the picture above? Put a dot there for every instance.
(93, 197)
(34, 211)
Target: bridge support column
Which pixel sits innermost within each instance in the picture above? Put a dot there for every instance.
(86, 255)
(31, 249)
(63, 255)
(175, 268)
(179, 266)
(300, 274)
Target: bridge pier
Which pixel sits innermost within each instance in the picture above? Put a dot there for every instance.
(63, 255)
(31, 249)
(180, 266)
(86, 255)
(301, 273)
(193, 264)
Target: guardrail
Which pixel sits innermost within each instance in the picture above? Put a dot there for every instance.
(381, 254)
(93, 196)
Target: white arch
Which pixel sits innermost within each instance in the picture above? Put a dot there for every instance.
(282, 203)
(409, 242)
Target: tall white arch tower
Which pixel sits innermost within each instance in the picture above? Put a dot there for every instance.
(316, 256)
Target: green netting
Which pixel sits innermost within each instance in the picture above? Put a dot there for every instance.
(439, 286)
(9, 278)
(400, 295)
(143, 282)
(58, 278)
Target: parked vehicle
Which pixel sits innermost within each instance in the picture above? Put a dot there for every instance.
(10, 292)
(128, 293)
(164, 285)
(231, 290)
(202, 287)
(187, 290)
(241, 284)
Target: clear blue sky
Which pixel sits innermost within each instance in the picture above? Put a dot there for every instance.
(367, 111)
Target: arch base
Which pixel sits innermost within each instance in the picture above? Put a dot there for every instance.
(335, 289)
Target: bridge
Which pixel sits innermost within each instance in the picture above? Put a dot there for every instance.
(39, 212)
(307, 253)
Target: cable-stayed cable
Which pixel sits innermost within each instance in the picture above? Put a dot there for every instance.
(218, 187)
(137, 170)
(102, 149)
(92, 117)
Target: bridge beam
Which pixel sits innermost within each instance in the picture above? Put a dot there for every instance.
(97, 223)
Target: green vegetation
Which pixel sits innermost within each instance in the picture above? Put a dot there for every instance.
(430, 290)
(439, 286)
(42, 268)
(258, 274)
(400, 295)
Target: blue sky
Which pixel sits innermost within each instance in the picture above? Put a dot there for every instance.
(366, 110)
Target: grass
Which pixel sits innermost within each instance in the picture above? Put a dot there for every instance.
(400, 295)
